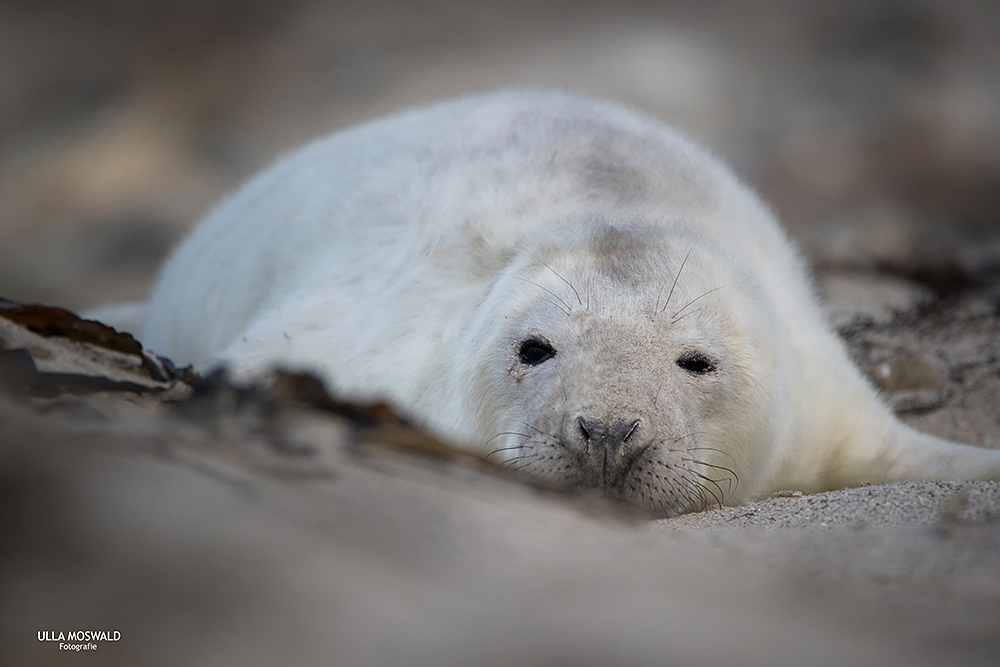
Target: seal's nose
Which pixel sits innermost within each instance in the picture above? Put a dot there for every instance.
(606, 446)
(597, 432)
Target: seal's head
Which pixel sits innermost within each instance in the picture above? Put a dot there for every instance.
(635, 361)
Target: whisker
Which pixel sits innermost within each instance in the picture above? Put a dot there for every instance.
(711, 481)
(566, 307)
(528, 460)
(712, 449)
(686, 435)
(553, 303)
(678, 319)
(560, 278)
(510, 464)
(676, 277)
(503, 449)
(714, 289)
(680, 488)
(680, 497)
(523, 435)
(696, 486)
(535, 428)
(734, 477)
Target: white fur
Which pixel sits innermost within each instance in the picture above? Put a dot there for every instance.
(404, 259)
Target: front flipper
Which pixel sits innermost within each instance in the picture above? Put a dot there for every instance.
(917, 456)
(904, 454)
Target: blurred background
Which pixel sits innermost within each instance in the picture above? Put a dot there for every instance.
(871, 126)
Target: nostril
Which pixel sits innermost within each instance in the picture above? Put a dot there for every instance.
(631, 430)
(583, 429)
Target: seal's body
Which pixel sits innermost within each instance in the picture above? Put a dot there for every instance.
(558, 281)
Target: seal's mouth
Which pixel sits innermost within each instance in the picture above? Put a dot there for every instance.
(607, 468)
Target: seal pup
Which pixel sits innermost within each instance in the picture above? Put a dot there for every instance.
(556, 281)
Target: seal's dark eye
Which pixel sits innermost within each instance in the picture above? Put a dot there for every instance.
(534, 352)
(695, 363)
